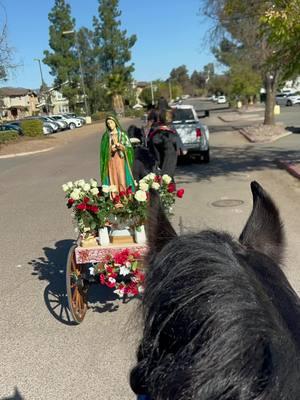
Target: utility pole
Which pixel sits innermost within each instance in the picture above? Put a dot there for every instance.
(41, 72)
(80, 68)
(152, 94)
(43, 86)
(170, 89)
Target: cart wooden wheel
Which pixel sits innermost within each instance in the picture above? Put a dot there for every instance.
(77, 287)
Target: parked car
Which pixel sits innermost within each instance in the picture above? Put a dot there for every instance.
(62, 124)
(11, 127)
(221, 100)
(47, 128)
(283, 99)
(194, 134)
(72, 122)
(72, 115)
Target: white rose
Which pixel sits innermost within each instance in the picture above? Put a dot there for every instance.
(70, 184)
(81, 183)
(151, 176)
(94, 191)
(155, 185)
(65, 187)
(74, 195)
(167, 179)
(86, 187)
(105, 189)
(93, 183)
(113, 189)
(144, 186)
(140, 195)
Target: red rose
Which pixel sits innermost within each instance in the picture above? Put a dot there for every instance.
(109, 270)
(122, 194)
(116, 199)
(180, 193)
(71, 202)
(102, 279)
(129, 191)
(111, 282)
(171, 187)
(81, 207)
(122, 257)
(86, 200)
(157, 179)
(94, 209)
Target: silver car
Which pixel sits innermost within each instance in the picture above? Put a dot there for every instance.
(194, 134)
(290, 99)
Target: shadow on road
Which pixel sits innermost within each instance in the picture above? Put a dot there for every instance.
(52, 268)
(227, 161)
(16, 396)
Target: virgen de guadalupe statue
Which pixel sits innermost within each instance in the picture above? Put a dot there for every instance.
(116, 156)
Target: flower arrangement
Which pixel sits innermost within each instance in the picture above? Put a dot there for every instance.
(122, 272)
(94, 207)
(90, 207)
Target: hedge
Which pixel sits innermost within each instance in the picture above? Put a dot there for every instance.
(32, 127)
(100, 115)
(8, 136)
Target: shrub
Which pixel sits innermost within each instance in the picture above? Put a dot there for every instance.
(129, 112)
(99, 115)
(8, 136)
(32, 127)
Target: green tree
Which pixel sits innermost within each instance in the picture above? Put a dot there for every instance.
(180, 76)
(63, 60)
(252, 40)
(113, 50)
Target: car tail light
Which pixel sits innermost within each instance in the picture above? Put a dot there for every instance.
(198, 132)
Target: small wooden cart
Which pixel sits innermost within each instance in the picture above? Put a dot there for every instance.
(78, 277)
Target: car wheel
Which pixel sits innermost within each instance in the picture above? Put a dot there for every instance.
(289, 103)
(206, 156)
(72, 125)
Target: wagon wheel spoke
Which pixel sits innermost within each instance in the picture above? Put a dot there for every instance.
(77, 298)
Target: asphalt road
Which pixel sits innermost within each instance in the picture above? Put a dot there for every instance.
(43, 356)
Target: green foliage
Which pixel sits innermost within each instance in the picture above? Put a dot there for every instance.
(8, 136)
(129, 112)
(32, 127)
(99, 116)
(63, 60)
(180, 76)
(113, 48)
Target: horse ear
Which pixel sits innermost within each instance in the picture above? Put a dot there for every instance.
(264, 229)
(159, 229)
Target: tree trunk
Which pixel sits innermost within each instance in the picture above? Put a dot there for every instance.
(118, 104)
(271, 87)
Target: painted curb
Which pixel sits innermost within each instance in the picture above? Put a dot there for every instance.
(292, 168)
(26, 154)
(270, 140)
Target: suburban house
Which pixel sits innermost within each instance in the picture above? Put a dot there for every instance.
(51, 101)
(17, 103)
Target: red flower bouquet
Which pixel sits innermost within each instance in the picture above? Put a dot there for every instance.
(123, 272)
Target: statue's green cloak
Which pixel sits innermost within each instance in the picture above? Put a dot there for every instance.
(105, 154)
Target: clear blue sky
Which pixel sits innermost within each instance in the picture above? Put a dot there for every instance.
(170, 33)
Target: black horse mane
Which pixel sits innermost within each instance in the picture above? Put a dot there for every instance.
(221, 321)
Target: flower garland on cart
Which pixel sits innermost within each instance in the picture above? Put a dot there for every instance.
(94, 207)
